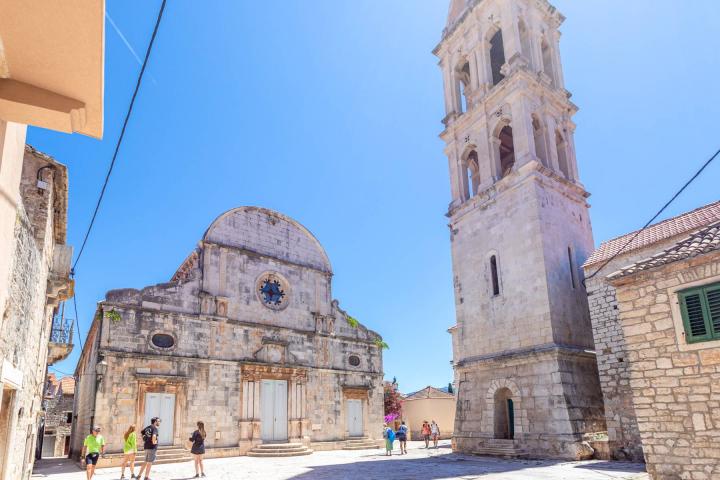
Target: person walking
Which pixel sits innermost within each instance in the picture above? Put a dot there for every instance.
(198, 449)
(150, 443)
(93, 447)
(425, 430)
(435, 432)
(129, 452)
(389, 436)
(402, 437)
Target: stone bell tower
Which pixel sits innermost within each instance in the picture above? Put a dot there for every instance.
(522, 346)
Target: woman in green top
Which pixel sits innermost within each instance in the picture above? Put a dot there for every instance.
(129, 449)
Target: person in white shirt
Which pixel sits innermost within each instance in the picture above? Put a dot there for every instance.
(435, 432)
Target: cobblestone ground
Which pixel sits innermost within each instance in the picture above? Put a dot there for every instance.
(370, 465)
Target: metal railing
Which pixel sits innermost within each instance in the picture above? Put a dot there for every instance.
(61, 330)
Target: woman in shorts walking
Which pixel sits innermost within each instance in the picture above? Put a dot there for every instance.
(425, 430)
(198, 449)
(129, 451)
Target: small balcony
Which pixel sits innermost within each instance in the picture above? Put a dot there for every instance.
(60, 286)
(61, 336)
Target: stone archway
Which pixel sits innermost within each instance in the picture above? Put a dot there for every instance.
(505, 416)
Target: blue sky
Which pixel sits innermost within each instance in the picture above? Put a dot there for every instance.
(329, 111)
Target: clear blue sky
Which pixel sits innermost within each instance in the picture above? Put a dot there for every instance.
(329, 111)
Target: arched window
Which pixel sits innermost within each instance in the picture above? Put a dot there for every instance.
(571, 264)
(504, 414)
(497, 57)
(494, 275)
(463, 78)
(539, 137)
(507, 150)
(562, 154)
(547, 60)
(472, 174)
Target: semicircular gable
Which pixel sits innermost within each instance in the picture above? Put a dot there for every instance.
(268, 233)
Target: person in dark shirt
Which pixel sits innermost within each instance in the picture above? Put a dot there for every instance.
(150, 442)
(198, 449)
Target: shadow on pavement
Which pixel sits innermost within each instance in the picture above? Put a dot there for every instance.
(460, 466)
(47, 466)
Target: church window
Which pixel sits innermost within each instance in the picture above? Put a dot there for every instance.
(271, 291)
(562, 155)
(571, 264)
(547, 59)
(507, 150)
(700, 309)
(472, 175)
(163, 340)
(463, 77)
(354, 360)
(497, 57)
(68, 417)
(494, 275)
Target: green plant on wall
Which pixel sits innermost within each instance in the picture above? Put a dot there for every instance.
(113, 316)
(352, 321)
(380, 344)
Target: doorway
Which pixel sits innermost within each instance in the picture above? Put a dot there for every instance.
(504, 414)
(273, 410)
(354, 417)
(161, 405)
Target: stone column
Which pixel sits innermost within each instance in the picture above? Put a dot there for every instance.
(523, 138)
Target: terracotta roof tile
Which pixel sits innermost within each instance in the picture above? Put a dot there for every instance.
(703, 241)
(683, 223)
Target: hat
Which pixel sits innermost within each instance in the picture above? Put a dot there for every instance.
(96, 428)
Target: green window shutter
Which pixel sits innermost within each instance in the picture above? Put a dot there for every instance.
(712, 297)
(694, 313)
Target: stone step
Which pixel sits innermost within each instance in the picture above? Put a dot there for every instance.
(275, 446)
(493, 451)
(370, 446)
(279, 450)
(252, 453)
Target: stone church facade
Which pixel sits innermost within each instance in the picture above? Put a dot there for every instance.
(245, 337)
(525, 369)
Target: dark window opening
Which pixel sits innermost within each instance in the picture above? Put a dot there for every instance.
(507, 150)
(68, 417)
(494, 274)
(163, 340)
(572, 268)
(463, 75)
(497, 57)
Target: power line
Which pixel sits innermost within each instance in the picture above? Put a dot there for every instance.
(677, 194)
(59, 371)
(122, 133)
(77, 322)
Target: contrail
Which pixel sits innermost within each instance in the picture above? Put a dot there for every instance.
(127, 44)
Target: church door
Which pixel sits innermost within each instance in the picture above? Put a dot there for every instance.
(273, 410)
(354, 417)
(161, 405)
(511, 418)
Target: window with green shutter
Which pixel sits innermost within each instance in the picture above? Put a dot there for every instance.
(700, 308)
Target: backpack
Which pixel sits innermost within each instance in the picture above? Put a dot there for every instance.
(147, 434)
(390, 435)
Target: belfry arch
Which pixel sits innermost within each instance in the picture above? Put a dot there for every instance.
(504, 413)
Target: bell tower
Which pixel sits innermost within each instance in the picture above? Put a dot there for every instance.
(522, 347)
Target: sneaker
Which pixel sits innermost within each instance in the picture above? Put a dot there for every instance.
(202, 474)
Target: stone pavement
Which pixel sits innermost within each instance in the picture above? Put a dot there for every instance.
(370, 465)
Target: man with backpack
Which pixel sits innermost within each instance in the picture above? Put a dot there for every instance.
(389, 436)
(150, 441)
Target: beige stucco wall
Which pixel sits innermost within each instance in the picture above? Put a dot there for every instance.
(442, 410)
(675, 385)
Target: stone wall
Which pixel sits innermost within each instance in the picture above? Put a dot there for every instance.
(675, 385)
(623, 435)
(56, 425)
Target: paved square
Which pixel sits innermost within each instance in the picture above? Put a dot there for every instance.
(370, 465)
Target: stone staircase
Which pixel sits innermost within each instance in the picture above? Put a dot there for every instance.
(360, 443)
(499, 448)
(166, 455)
(279, 450)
